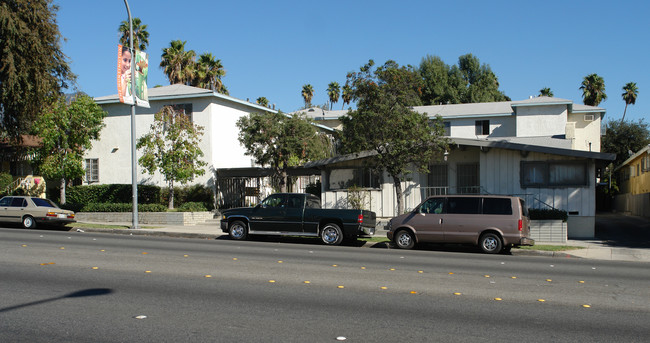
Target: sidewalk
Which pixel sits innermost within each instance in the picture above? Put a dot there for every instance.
(591, 249)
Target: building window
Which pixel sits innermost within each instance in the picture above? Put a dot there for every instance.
(468, 178)
(447, 128)
(184, 110)
(92, 170)
(359, 177)
(482, 127)
(554, 174)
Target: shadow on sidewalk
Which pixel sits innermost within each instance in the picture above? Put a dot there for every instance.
(619, 230)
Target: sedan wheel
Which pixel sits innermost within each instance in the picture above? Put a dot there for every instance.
(28, 222)
(331, 234)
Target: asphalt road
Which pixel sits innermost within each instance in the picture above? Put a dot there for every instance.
(86, 287)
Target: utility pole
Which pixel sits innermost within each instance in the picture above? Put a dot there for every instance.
(134, 171)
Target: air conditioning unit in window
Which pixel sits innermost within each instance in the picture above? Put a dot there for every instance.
(589, 117)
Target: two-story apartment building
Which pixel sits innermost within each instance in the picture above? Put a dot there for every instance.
(545, 150)
(634, 184)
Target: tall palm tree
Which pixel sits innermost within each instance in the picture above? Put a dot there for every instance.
(546, 92)
(140, 34)
(630, 91)
(333, 92)
(208, 73)
(593, 90)
(307, 94)
(347, 95)
(262, 101)
(177, 63)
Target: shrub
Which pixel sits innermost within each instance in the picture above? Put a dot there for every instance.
(194, 193)
(5, 181)
(117, 193)
(192, 207)
(552, 214)
(122, 207)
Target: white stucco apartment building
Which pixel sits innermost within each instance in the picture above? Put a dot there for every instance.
(109, 160)
(545, 150)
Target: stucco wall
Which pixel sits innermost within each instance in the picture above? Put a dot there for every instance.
(587, 133)
(535, 121)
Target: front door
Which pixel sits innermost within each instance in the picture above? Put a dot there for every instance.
(428, 219)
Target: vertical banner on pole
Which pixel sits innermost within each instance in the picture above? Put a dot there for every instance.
(124, 60)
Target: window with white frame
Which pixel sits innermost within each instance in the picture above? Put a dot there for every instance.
(92, 170)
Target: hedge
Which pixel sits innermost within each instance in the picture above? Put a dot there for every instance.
(553, 214)
(114, 193)
(192, 207)
(122, 207)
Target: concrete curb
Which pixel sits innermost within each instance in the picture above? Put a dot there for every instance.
(144, 232)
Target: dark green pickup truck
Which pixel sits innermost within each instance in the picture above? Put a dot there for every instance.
(297, 214)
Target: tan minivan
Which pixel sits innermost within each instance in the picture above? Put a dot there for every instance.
(494, 223)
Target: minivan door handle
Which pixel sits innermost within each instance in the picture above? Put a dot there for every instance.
(440, 221)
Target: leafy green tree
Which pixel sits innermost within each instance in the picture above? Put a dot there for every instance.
(622, 138)
(140, 34)
(178, 64)
(66, 130)
(33, 69)
(385, 124)
(630, 91)
(546, 92)
(333, 92)
(593, 90)
(262, 101)
(481, 84)
(346, 96)
(307, 94)
(280, 141)
(208, 73)
(172, 148)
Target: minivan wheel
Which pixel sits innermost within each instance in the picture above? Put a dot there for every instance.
(237, 230)
(490, 243)
(404, 239)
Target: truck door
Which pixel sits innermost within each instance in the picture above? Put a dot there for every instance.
(293, 213)
(269, 215)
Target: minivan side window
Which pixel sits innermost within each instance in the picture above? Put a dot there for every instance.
(497, 206)
(463, 205)
(433, 205)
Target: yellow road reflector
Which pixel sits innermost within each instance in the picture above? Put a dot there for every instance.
(513, 277)
(458, 293)
(186, 255)
(392, 269)
(486, 275)
(208, 276)
(541, 300)
(450, 273)
(62, 248)
(340, 287)
(335, 265)
(144, 253)
(420, 271)
(95, 267)
(383, 287)
(271, 281)
(147, 271)
(414, 292)
(581, 282)
(363, 267)
(24, 245)
(549, 280)
(498, 299)
(102, 250)
(307, 281)
(234, 258)
(280, 261)
(586, 306)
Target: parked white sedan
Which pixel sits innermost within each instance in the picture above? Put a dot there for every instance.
(30, 211)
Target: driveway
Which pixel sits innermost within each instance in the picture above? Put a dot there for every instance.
(619, 230)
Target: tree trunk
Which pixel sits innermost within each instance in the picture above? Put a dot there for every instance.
(283, 181)
(62, 189)
(400, 196)
(625, 110)
(171, 195)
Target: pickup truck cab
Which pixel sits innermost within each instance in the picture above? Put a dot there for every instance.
(297, 214)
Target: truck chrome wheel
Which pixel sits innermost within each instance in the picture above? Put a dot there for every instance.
(331, 234)
(237, 230)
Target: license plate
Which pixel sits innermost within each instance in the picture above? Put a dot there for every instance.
(61, 215)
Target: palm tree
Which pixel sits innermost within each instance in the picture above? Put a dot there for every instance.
(307, 94)
(177, 63)
(140, 34)
(593, 90)
(262, 101)
(208, 73)
(333, 92)
(546, 92)
(630, 91)
(347, 95)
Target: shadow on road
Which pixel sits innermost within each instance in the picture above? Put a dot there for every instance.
(91, 292)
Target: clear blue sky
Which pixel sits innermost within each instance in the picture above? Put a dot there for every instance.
(273, 48)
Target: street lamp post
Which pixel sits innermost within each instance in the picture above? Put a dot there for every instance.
(134, 174)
